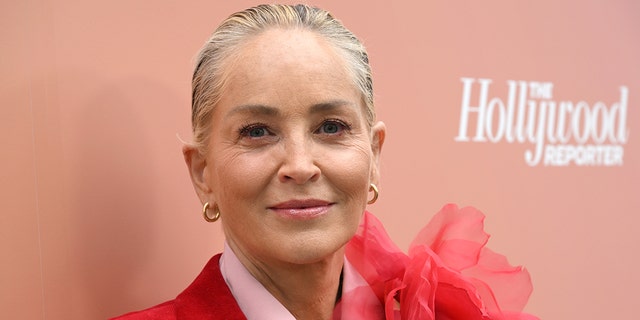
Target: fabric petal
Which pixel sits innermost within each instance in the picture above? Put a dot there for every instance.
(418, 296)
(375, 256)
(497, 279)
(455, 235)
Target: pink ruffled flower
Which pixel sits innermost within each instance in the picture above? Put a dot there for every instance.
(448, 274)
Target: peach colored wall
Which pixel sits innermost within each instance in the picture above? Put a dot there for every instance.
(98, 214)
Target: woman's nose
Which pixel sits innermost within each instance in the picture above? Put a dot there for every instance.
(299, 164)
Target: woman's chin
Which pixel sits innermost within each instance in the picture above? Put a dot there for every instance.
(310, 252)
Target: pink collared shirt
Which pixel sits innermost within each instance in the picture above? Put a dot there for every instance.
(258, 304)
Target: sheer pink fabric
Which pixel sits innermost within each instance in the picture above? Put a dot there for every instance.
(448, 273)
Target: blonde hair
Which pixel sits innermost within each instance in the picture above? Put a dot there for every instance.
(209, 75)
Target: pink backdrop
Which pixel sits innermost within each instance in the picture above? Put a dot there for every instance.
(98, 215)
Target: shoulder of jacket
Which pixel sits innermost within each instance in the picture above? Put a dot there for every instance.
(163, 311)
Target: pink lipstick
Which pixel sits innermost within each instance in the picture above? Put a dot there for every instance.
(302, 209)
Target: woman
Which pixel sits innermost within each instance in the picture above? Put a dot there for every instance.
(286, 155)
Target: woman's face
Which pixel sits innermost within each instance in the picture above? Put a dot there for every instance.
(290, 154)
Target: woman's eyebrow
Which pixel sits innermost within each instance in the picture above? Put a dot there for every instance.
(332, 105)
(265, 110)
(253, 109)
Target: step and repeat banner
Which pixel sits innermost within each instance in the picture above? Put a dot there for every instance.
(528, 111)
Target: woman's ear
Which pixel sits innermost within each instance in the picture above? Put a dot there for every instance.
(378, 134)
(197, 165)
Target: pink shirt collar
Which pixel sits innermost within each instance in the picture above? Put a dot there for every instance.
(258, 304)
(254, 300)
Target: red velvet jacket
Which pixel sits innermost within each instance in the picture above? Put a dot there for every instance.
(208, 297)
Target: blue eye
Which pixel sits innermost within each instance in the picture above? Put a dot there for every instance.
(257, 132)
(254, 131)
(330, 127)
(333, 127)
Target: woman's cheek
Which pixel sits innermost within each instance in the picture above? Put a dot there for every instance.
(350, 169)
(242, 172)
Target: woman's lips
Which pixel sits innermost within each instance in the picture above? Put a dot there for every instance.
(302, 209)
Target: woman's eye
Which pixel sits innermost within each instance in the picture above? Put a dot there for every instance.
(333, 127)
(257, 132)
(330, 127)
(254, 131)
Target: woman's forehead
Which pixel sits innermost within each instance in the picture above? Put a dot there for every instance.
(287, 59)
(286, 48)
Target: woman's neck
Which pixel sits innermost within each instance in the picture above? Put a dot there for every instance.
(308, 291)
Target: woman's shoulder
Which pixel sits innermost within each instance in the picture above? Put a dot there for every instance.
(207, 297)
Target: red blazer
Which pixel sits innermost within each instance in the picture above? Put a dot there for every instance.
(208, 297)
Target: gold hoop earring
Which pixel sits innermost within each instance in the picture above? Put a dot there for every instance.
(373, 188)
(206, 216)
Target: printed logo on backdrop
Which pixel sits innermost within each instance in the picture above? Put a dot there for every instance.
(559, 133)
